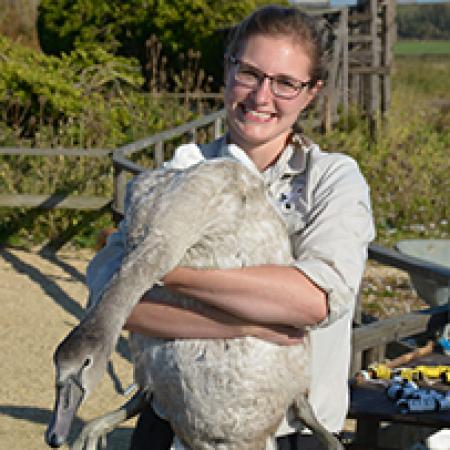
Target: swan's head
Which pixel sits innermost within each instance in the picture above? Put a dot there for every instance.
(80, 361)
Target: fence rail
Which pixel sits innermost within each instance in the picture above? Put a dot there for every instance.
(88, 203)
(89, 153)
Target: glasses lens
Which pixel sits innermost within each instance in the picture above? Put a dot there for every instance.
(246, 75)
(284, 88)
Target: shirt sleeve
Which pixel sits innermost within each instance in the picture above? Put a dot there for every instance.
(105, 264)
(332, 248)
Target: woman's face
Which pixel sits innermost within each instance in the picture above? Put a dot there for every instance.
(256, 116)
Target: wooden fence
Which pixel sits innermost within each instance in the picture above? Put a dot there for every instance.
(54, 200)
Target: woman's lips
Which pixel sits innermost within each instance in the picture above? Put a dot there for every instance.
(256, 116)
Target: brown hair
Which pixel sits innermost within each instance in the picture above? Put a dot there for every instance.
(277, 20)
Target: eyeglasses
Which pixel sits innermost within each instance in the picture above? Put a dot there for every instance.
(281, 86)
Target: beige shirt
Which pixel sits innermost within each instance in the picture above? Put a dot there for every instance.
(325, 203)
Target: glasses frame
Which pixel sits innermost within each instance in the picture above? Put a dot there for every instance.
(299, 85)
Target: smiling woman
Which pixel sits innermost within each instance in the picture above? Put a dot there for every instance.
(273, 71)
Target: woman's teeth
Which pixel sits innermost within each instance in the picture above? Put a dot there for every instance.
(258, 114)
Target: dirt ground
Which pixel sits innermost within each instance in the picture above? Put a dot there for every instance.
(42, 297)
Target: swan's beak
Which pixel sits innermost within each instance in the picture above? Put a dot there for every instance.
(68, 398)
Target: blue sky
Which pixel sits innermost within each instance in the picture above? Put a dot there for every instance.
(353, 2)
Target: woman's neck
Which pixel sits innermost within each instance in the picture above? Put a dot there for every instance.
(265, 154)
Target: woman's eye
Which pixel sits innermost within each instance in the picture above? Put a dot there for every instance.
(248, 73)
(286, 84)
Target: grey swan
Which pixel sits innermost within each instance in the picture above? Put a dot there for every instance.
(228, 394)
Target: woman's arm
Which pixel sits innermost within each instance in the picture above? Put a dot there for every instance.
(154, 318)
(262, 295)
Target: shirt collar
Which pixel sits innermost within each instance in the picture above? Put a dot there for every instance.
(290, 163)
(292, 160)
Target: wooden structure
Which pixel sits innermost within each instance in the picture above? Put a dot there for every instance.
(361, 59)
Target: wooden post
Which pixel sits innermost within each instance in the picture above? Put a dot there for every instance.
(356, 85)
(388, 40)
(332, 93)
(217, 128)
(119, 185)
(326, 121)
(374, 81)
(345, 80)
(193, 135)
(159, 154)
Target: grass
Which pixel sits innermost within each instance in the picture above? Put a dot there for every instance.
(416, 47)
(407, 166)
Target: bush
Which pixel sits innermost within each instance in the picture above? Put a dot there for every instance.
(88, 98)
(424, 21)
(125, 27)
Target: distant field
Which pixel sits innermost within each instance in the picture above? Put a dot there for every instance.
(422, 47)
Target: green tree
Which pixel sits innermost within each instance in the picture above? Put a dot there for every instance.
(125, 27)
(424, 21)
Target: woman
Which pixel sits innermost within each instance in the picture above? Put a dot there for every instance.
(272, 73)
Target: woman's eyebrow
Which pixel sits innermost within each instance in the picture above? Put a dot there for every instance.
(277, 75)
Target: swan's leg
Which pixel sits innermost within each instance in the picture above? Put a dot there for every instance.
(271, 443)
(306, 415)
(95, 431)
(177, 444)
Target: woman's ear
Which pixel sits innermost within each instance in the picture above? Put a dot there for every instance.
(316, 88)
(313, 91)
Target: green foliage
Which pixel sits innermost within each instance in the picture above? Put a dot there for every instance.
(88, 98)
(125, 27)
(407, 166)
(424, 21)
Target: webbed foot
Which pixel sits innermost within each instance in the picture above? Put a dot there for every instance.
(94, 433)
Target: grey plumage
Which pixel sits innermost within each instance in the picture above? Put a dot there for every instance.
(218, 394)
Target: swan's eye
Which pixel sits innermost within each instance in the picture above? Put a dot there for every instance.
(87, 362)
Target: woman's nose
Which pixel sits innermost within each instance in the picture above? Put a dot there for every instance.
(263, 91)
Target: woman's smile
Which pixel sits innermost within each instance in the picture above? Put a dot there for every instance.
(254, 115)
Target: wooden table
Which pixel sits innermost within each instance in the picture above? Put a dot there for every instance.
(370, 405)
